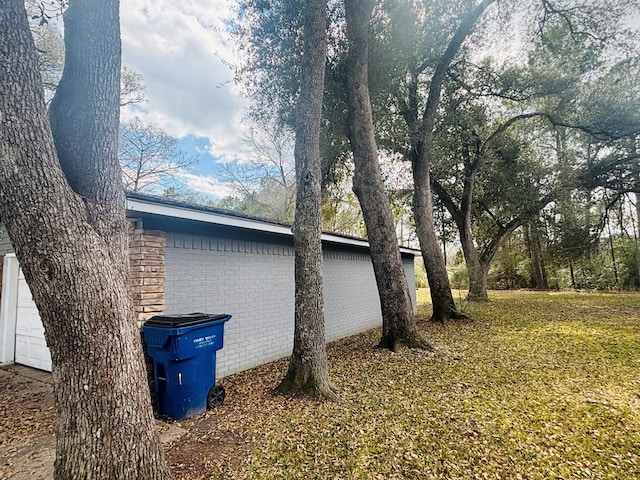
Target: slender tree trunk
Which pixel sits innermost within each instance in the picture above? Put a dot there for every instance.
(613, 254)
(527, 240)
(543, 268)
(533, 243)
(308, 370)
(573, 275)
(444, 306)
(398, 324)
(443, 236)
(441, 296)
(588, 222)
(636, 228)
(69, 231)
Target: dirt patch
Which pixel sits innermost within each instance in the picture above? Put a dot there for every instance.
(198, 457)
(215, 444)
(220, 441)
(195, 448)
(27, 424)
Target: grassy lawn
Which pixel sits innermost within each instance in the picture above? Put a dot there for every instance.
(537, 386)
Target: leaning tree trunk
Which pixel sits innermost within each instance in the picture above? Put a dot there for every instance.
(308, 370)
(532, 239)
(398, 323)
(477, 274)
(444, 306)
(573, 275)
(441, 296)
(462, 217)
(69, 232)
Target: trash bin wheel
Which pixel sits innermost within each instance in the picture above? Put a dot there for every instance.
(216, 396)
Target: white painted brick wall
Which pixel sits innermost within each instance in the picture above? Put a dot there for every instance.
(255, 288)
(351, 302)
(254, 283)
(410, 273)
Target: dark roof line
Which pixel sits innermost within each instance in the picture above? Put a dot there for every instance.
(229, 213)
(198, 207)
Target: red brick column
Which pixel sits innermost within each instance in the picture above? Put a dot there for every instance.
(146, 257)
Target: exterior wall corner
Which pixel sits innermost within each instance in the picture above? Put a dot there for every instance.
(147, 266)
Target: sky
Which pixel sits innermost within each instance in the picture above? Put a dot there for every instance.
(181, 49)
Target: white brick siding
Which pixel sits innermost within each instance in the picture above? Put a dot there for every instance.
(251, 281)
(351, 302)
(254, 282)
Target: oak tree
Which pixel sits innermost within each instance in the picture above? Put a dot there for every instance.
(308, 370)
(398, 324)
(63, 204)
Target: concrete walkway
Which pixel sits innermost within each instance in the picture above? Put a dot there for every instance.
(27, 444)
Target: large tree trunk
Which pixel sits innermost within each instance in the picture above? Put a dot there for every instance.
(308, 370)
(398, 324)
(69, 231)
(478, 274)
(476, 271)
(441, 297)
(444, 306)
(532, 239)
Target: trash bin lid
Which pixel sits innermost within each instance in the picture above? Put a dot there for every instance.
(183, 320)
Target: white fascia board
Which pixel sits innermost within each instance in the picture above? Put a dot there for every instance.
(185, 213)
(411, 251)
(333, 238)
(134, 205)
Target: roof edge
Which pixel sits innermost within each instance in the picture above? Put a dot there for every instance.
(152, 205)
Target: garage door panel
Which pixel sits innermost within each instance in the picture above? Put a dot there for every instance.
(33, 352)
(31, 348)
(29, 322)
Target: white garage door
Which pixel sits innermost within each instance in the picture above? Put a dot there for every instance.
(31, 347)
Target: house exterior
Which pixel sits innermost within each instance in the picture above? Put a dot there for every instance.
(187, 258)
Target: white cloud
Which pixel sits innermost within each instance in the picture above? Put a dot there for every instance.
(181, 49)
(206, 185)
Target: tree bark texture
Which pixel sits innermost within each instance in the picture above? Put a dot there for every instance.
(476, 269)
(398, 323)
(444, 306)
(308, 370)
(479, 263)
(532, 239)
(65, 214)
(636, 234)
(441, 296)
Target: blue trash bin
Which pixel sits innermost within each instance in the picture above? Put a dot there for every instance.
(183, 349)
